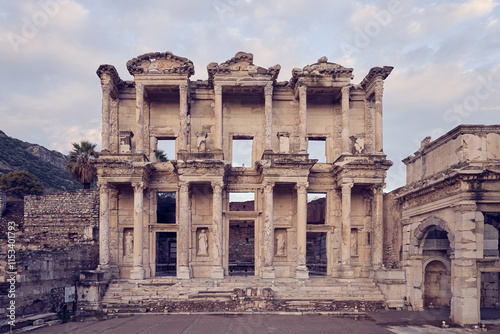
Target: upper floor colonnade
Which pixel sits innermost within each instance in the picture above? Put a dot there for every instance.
(240, 101)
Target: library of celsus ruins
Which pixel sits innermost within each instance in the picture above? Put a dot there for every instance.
(273, 191)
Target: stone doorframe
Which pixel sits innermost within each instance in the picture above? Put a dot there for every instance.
(416, 263)
(255, 216)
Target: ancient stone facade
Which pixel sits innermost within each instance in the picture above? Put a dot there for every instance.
(241, 101)
(316, 222)
(450, 217)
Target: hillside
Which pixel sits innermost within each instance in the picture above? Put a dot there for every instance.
(47, 165)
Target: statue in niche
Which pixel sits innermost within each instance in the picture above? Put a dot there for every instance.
(280, 242)
(203, 243)
(201, 141)
(129, 243)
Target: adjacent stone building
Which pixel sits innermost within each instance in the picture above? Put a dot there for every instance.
(450, 218)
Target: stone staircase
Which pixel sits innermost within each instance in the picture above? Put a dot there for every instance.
(242, 294)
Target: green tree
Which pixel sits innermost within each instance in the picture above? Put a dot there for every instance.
(79, 164)
(161, 156)
(19, 183)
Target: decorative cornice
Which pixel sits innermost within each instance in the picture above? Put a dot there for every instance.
(160, 63)
(374, 73)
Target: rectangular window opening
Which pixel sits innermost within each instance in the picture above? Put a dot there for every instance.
(241, 201)
(242, 152)
(165, 208)
(165, 149)
(316, 208)
(317, 149)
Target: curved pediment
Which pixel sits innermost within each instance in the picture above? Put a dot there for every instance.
(241, 65)
(160, 63)
(321, 69)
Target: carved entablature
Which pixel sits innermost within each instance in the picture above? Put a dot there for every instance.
(241, 65)
(201, 167)
(314, 74)
(160, 63)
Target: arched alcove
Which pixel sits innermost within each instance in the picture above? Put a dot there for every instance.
(437, 286)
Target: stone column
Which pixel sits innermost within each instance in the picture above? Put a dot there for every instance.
(268, 125)
(103, 225)
(345, 120)
(347, 271)
(218, 118)
(336, 216)
(106, 97)
(379, 90)
(268, 267)
(377, 227)
(138, 271)
(301, 271)
(466, 280)
(183, 111)
(184, 233)
(217, 231)
(139, 117)
(303, 119)
(153, 146)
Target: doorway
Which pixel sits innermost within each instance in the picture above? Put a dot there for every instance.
(166, 253)
(241, 248)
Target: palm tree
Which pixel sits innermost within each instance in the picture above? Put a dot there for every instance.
(161, 156)
(79, 163)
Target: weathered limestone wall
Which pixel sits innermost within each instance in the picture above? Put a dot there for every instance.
(58, 240)
(55, 220)
(393, 233)
(467, 144)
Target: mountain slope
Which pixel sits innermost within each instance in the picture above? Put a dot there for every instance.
(46, 165)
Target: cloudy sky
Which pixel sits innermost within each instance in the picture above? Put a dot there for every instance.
(446, 57)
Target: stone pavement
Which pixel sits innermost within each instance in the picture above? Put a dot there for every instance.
(426, 322)
(203, 324)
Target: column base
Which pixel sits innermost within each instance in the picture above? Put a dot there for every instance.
(301, 272)
(268, 272)
(347, 271)
(184, 273)
(106, 271)
(217, 273)
(137, 273)
(335, 272)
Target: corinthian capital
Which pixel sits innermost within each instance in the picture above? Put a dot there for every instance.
(102, 185)
(268, 89)
(218, 89)
(217, 186)
(302, 186)
(183, 88)
(138, 186)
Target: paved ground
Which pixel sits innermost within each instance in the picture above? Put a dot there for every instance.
(427, 322)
